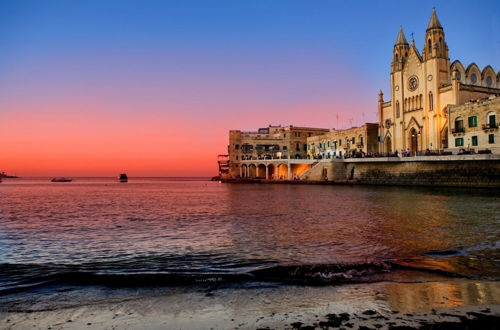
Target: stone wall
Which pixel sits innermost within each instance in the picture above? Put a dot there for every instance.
(475, 171)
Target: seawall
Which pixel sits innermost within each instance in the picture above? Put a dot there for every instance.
(482, 171)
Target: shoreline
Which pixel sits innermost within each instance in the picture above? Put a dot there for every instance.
(455, 304)
(350, 183)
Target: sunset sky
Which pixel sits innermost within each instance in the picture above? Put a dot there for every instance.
(151, 88)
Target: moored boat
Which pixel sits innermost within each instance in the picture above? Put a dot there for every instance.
(61, 180)
(123, 177)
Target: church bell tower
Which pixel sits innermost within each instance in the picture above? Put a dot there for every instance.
(400, 52)
(435, 45)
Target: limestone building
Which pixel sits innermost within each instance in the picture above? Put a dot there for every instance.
(344, 142)
(474, 126)
(422, 86)
(269, 143)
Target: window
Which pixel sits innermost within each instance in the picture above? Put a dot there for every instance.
(320, 145)
(473, 121)
(285, 148)
(237, 146)
(474, 141)
(429, 47)
(284, 135)
(297, 134)
(297, 146)
(489, 81)
(305, 147)
(361, 140)
(353, 140)
(397, 109)
(308, 147)
(491, 138)
(459, 125)
(459, 142)
(492, 120)
(340, 142)
(431, 101)
(328, 144)
(236, 157)
(309, 134)
(473, 78)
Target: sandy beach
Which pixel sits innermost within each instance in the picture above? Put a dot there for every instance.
(457, 304)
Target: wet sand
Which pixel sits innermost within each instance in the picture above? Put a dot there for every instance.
(454, 304)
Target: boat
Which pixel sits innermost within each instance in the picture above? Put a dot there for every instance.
(123, 177)
(61, 180)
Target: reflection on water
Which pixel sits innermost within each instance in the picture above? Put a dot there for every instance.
(161, 225)
(424, 296)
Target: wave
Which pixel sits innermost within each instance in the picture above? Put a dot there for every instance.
(24, 277)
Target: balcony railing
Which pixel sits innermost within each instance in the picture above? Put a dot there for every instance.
(490, 126)
(458, 130)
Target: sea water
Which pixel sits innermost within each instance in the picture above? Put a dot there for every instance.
(166, 232)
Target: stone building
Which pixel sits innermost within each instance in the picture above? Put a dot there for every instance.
(422, 87)
(344, 142)
(474, 125)
(267, 144)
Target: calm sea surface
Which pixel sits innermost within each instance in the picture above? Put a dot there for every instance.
(160, 231)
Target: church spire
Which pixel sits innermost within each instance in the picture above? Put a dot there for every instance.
(434, 22)
(400, 52)
(435, 44)
(401, 40)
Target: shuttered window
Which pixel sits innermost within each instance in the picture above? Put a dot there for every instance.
(474, 141)
(473, 121)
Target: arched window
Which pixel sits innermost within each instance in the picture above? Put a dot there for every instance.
(431, 102)
(459, 125)
(489, 81)
(473, 78)
(397, 109)
(429, 47)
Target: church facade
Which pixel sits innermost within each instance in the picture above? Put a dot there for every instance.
(423, 85)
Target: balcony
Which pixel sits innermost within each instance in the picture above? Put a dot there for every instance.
(457, 130)
(490, 126)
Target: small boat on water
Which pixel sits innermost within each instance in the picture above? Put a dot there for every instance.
(61, 180)
(123, 177)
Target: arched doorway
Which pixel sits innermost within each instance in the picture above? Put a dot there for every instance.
(261, 171)
(252, 170)
(282, 172)
(388, 144)
(413, 141)
(272, 172)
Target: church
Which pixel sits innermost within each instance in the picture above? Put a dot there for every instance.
(423, 85)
